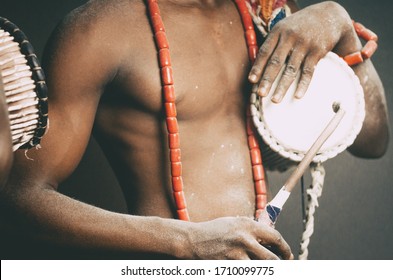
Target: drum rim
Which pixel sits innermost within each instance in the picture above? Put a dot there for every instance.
(38, 77)
(297, 156)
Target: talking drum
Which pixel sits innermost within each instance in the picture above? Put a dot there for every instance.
(24, 87)
(290, 127)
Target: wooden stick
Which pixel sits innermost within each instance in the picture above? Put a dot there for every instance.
(274, 207)
(305, 162)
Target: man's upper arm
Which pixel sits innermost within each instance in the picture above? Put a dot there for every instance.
(75, 69)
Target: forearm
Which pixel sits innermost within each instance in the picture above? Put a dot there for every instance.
(372, 140)
(52, 217)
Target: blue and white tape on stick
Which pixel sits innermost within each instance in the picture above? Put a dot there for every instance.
(274, 207)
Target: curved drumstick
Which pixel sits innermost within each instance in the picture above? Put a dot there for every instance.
(273, 208)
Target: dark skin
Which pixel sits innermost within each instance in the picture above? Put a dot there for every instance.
(5, 140)
(103, 76)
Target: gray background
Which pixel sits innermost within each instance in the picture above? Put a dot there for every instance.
(354, 218)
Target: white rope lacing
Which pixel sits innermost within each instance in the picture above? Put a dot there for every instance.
(313, 193)
(259, 23)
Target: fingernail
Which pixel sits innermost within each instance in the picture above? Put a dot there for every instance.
(299, 95)
(252, 78)
(276, 98)
(263, 90)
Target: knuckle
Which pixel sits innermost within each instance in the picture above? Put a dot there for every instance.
(266, 79)
(290, 32)
(256, 70)
(301, 41)
(279, 240)
(263, 49)
(307, 71)
(290, 71)
(275, 61)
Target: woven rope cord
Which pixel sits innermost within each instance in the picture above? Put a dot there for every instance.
(313, 193)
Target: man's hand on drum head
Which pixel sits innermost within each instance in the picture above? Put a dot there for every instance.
(297, 43)
(236, 238)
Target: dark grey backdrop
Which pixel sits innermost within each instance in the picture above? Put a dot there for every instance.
(354, 220)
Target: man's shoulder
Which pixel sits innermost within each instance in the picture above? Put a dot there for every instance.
(99, 30)
(101, 23)
(96, 13)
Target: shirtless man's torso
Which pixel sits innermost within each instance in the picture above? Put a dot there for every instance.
(103, 77)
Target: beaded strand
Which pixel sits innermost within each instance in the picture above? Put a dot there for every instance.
(369, 48)
(169, 98)
(171, 114)
(253, 144)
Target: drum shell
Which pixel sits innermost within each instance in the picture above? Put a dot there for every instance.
(24, 87)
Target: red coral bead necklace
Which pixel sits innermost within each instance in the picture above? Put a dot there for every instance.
(169, 98)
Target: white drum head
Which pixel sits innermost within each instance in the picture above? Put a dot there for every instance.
(293, 125)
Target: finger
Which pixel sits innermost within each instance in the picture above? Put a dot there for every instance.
(270, 237)
(289, 256)
(259, 252)
(288, 75)
(273, 67)
(263, 55)
(238, 256)
(306, 73)
(282, 248)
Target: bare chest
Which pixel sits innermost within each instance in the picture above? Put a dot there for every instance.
(208, 57)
